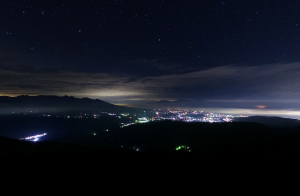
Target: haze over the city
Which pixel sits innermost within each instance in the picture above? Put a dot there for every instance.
(220, 56)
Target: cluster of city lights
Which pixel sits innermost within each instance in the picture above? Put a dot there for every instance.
(188, 116)
(34, 138)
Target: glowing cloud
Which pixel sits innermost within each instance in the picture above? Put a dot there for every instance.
(261, 106)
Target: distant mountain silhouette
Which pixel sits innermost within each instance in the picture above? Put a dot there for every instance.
(176, 101)
(53, 103)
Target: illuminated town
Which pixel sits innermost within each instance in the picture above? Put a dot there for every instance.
(186, 116)
(194, 116)
(127, 119)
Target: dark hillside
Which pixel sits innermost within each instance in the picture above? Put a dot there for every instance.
(166, 135)
(240, 150)
(271, 121)
(239, 139)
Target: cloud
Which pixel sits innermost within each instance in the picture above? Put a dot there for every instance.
(251, 112)
(276, 80)
(61, 83)
(269, 85)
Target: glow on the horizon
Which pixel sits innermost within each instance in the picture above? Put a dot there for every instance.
(261, 106)
(252, 112)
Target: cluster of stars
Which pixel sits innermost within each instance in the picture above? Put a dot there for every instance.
(221, 32)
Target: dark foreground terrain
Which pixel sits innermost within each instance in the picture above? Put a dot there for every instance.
(223, 157)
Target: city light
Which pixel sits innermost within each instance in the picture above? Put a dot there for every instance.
(143, 120)
(33, 138)
(197, 116)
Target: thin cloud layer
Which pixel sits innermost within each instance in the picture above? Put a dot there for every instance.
(259, 82)
(61, 83)
(271, 84)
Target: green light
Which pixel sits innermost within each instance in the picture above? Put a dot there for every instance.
(181, 147)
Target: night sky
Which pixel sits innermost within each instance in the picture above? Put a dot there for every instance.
(227, 56)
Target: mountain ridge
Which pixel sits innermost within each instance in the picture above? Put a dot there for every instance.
(54, 103)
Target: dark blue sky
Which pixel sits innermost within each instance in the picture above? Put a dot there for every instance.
(209, 54)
